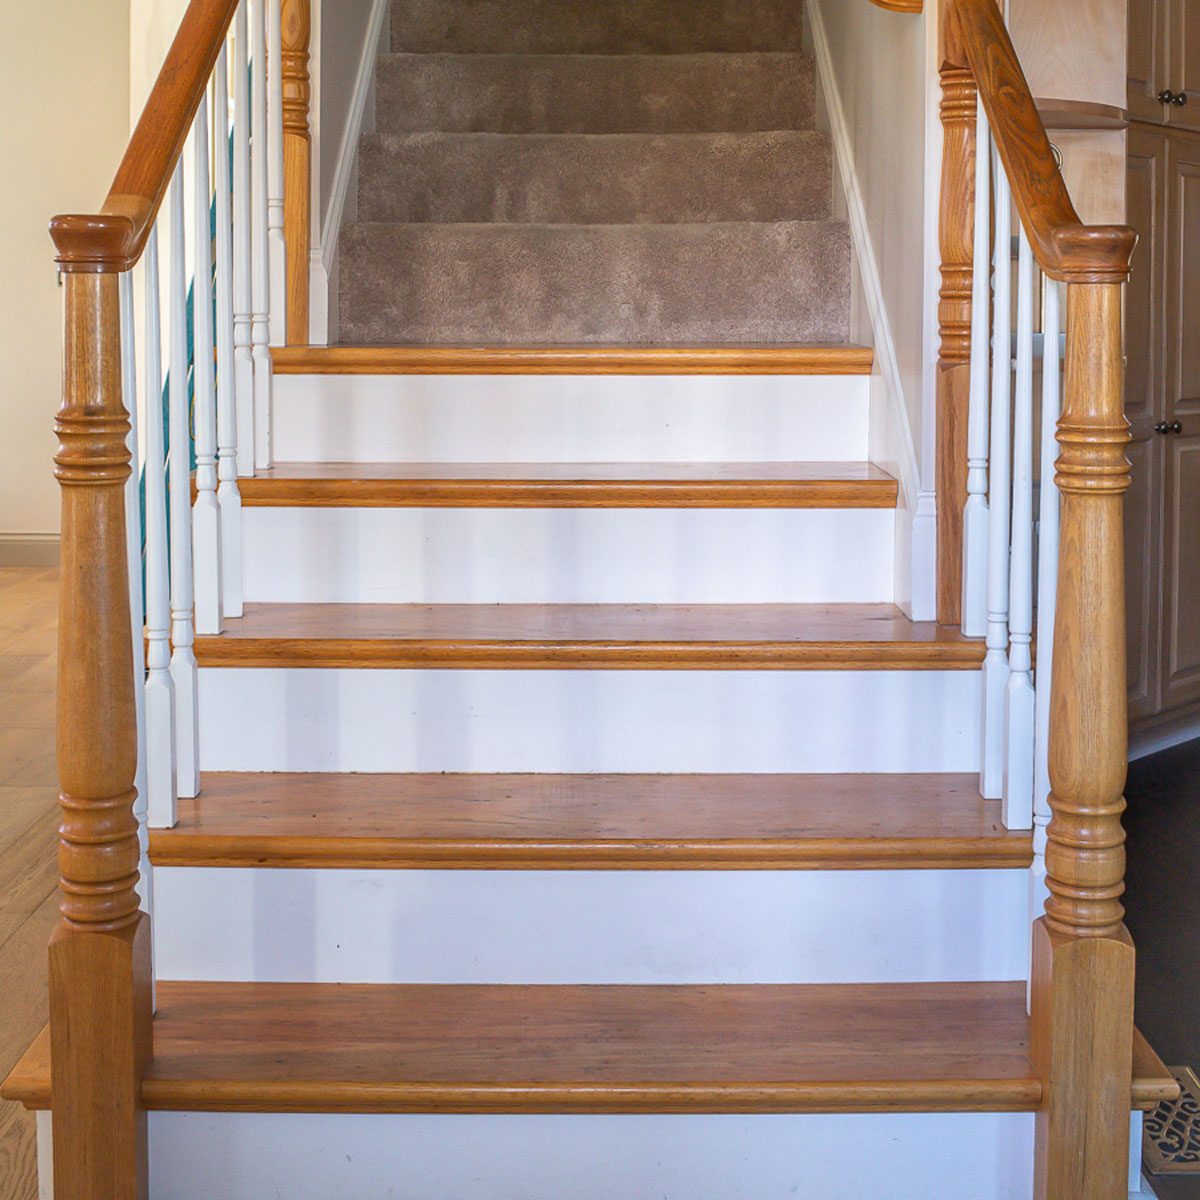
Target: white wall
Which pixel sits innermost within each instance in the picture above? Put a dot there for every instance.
(878, 74)
(64, 92)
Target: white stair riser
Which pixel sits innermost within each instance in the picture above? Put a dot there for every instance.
(576, 927)
(549, 418)
(291, 719)
(887, 1156)
(564, 556)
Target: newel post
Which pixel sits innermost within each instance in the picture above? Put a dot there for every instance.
(1083, 958)
(100, 989)
(956, 237)
(297, 162)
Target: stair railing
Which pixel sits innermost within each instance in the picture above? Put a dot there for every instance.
(1054, 737)
(206, 168)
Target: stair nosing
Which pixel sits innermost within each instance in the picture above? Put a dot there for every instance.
(285, 1086)
(520, 486)
(826, 359)
(589, 822)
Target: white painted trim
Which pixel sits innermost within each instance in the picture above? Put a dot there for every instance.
(29, 549)
(322, 275)
(914, 574)
(45, 1156)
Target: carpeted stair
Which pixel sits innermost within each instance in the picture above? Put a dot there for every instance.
(594, 171)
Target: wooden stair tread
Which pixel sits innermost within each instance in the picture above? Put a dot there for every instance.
(598, 485)
(831, 359)
(439, 1048)
(237, 1047)
(615, 636)
(739, 822)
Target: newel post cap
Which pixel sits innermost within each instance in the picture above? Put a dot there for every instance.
(97, 244)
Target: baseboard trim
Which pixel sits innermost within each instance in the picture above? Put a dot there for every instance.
(1163, 731)
(29, 549)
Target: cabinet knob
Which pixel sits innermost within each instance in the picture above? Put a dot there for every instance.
(1176, 426)
(1180, 100)
(1165, 427)
(1166, 97)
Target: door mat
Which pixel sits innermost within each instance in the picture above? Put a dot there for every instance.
(1171, 1133)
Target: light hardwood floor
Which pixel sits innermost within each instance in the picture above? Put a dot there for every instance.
(28, 812)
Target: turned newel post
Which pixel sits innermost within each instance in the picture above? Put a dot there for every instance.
(100, 1000)
(956, 237)
(1083, 959)
(297, 162)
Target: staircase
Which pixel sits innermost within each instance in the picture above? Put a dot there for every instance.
(573, 173)
(578, 814)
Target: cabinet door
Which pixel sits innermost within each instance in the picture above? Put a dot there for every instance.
(1181, 520)
(1146, 208)
(1148, 67)
(1184, 39)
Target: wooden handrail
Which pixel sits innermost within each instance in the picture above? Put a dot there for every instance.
(1083, 959)
(1066, 249)
(113, 239)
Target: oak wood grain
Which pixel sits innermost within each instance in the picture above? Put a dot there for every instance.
(956, 225)
(296, 29)
(1065, 248)
(590, 822)
(574, 360)
(571, 485)
(99, 968)
(848, 1048)
(587, 636)
(114, 238)
(1083, 959)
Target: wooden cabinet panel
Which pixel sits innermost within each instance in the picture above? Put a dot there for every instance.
(1146, 209)
(1184, 37)
(1147, 63)
(1181, 682)
(1183, 279)
(1144, 579)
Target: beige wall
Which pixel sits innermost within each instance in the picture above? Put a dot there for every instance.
(64, 93)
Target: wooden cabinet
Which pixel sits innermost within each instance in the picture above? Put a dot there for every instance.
(1162, 518)
(1164, 56)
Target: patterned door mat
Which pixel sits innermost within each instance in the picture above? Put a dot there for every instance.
(1171, 1133)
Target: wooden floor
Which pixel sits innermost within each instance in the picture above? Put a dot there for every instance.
(28, 811)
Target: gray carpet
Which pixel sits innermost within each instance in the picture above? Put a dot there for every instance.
(594, 171)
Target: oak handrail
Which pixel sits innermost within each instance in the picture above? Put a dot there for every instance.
(113, 239)
(1066, 249)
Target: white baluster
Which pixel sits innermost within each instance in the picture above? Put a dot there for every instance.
(183, 635)
(133, 546)
(160, 687)
(260, 328)
(278, 286)
(206, 516)
(243, 258)
(995, 665)
(229, 497)
(1048, 514)
(975, 514)
(1019, 719)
